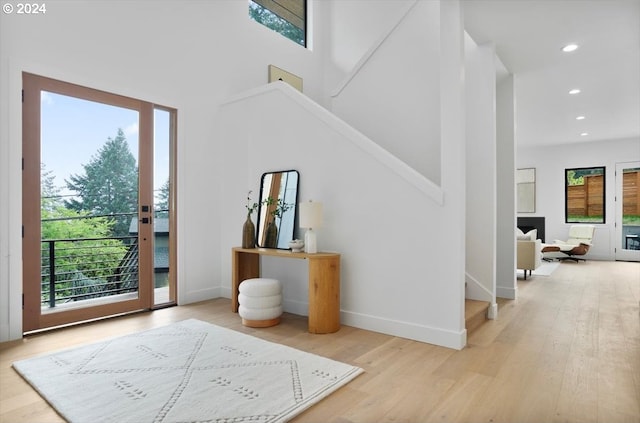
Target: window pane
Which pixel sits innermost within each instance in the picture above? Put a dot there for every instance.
(161, 191)
(631, 196)
(89, 201)
(285, 17)
(585, 195)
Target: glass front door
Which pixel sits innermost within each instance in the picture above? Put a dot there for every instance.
(89, 210)
(628, 211)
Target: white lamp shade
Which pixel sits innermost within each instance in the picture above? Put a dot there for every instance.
(310, 214)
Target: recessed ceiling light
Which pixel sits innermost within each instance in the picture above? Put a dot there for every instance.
(569, 47)
(584, 134)
(574, 91)
(580, 118)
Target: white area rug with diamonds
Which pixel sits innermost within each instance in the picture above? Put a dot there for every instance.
(190, 371)
(545, 269)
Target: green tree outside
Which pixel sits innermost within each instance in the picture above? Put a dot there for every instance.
(109, 185)
(574, 179)
(81, 267)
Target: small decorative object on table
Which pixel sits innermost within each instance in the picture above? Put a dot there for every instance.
(249, 229)
(296, 245)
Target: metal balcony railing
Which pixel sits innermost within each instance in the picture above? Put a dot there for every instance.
(84, 268)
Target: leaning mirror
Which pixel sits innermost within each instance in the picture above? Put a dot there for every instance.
(277, 211)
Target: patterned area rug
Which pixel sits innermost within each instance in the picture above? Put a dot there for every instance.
(190, 371)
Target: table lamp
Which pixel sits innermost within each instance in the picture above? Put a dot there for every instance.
(310, 217)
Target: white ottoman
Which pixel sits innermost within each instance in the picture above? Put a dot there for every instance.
(260, 302)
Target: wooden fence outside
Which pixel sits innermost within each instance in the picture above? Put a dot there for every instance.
(587, 199)
(631, 193)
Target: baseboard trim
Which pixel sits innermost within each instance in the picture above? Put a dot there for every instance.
(430, 335)
(421, 333)
(296, 307)
(508, 293)
(201, 295)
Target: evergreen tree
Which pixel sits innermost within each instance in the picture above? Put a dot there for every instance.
(109, 185)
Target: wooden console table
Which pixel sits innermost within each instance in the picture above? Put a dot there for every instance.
(324, 282)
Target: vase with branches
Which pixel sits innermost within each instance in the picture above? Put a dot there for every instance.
(249, 229)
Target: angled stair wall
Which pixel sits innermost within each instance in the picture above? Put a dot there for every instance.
(401, 232)
(384, 217)
(393, 93)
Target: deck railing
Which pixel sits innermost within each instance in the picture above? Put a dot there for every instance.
(77, 269)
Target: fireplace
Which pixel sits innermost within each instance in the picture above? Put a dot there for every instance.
(528, 223)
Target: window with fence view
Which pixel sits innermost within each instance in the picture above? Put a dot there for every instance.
(585, 195)
(631, 197)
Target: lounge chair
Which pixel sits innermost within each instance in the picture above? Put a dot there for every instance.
(578, 244)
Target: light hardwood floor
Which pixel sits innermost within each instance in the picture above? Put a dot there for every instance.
(568, 350)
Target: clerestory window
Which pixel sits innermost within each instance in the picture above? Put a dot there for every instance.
(287, 17)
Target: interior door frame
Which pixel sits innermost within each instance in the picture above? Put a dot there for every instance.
(33, 317)
(621, 253)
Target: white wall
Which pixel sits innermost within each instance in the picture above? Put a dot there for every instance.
(480, 83)
(506, 282)
(395, 278)
(393, 93)
(355, 29)
(188, 55)
(402, 255)
(550, 164)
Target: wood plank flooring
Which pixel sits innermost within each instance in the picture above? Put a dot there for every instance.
(567, 350)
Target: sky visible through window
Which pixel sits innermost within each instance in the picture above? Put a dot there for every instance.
(73, 130)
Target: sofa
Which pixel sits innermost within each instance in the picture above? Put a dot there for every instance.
(529, 251)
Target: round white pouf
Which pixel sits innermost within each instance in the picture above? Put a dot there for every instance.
(260, 302)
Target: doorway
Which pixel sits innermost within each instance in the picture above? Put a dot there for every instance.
(627, 245)
(97, 204)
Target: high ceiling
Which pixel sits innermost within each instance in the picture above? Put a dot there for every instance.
(528, 36)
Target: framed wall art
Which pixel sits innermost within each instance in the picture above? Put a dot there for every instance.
(526, 190)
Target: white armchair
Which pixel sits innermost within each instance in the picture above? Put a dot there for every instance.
(529, 251)
(578, 244)
(529, 255)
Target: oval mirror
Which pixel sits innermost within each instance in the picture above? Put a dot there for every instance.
(277, 211)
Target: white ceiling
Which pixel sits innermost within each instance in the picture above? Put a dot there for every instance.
(528, 36)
